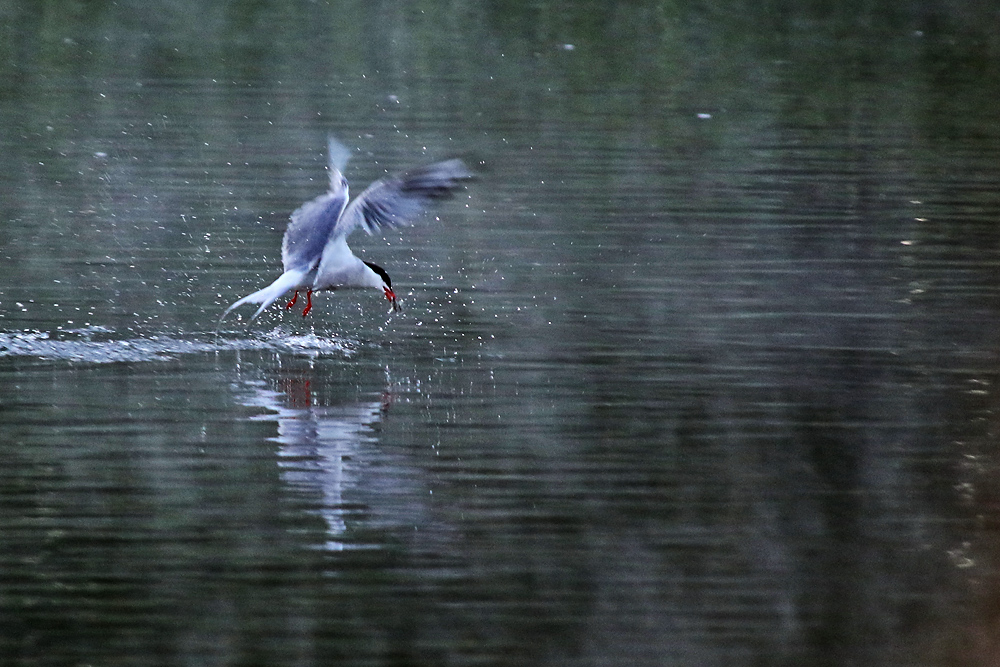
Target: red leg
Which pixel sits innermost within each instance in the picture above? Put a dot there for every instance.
(309, 303)
(288, 306)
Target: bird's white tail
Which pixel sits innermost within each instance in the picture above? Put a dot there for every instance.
(288, 280)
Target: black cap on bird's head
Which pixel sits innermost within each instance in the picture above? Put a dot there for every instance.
(389, 294)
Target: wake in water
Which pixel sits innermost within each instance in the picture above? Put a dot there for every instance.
(99, 345)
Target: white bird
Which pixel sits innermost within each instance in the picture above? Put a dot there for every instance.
(314, 251)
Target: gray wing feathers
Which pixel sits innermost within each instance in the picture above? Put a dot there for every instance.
(309, 229)
(396, 201)
(337, 155)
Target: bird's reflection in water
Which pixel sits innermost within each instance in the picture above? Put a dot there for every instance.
(323, 449)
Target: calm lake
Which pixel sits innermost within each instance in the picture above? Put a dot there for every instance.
(701, 369)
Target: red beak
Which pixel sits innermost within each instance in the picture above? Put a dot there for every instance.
(391, 296)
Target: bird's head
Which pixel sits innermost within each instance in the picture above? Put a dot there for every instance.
(386, 285)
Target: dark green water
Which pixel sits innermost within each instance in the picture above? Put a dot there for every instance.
(701, 370)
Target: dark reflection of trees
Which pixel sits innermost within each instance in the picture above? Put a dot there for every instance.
(807, 366)
(819, 519)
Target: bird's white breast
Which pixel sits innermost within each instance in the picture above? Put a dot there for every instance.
(341, 268)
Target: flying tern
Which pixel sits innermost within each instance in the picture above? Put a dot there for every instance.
(314, 252)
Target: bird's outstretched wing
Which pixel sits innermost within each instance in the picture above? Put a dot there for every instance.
(313, 222)
(396, 201)
(337, 155)
(310, 228)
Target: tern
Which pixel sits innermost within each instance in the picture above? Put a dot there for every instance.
(314, 252)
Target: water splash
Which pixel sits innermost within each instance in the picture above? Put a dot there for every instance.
(99, 345)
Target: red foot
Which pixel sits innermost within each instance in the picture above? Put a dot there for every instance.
(288, 306)
(309, 303)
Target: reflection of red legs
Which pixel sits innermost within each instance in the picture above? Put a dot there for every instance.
(387, 400)
(288, 306)
(309, 303)
(297, 390)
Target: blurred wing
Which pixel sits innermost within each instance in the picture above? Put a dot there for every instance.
(398, 200)
(309, 229)
(337, 157)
